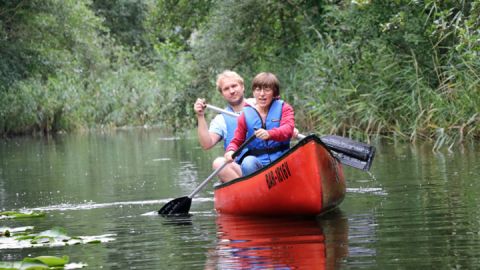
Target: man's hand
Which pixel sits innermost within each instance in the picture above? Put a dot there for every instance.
(199, 107)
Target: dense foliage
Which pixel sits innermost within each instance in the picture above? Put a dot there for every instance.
(402, 68)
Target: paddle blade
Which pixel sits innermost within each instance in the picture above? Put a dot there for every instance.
(352, 162)
(349, 152)
(178, 206)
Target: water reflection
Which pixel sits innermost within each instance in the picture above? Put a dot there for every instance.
(3, 193)
(279, 243)
(419, 211)
(187, 175)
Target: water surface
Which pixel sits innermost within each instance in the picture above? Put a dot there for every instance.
(418, 209)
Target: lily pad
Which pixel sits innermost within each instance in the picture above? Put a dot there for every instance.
(25, 238)
(50, 261)
(7, 232)
(13, 214)
(22, 266)
(42, 262)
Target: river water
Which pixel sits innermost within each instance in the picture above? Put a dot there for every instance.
(417, 209)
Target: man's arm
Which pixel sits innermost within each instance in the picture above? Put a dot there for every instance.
(206, 138)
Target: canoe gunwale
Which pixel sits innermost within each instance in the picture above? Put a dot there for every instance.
(302, 142)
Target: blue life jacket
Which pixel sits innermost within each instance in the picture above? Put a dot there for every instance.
(265, 151)
(231, 123)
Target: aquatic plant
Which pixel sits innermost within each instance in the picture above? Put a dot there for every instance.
(42, 262)
(24, 237)
(14, 214)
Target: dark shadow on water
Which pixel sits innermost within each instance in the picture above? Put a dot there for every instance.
(177, 220)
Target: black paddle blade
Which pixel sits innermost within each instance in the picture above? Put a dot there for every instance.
(349, 152)
(176, 207)
(352, 162)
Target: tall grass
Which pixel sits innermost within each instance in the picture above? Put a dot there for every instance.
(384, 94)
(128, 95)
(429, 89)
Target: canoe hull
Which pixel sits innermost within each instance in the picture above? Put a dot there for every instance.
(307, 180)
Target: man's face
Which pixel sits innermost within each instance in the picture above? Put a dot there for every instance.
(232, 91)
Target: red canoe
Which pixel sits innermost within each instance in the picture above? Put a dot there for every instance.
(307, 180)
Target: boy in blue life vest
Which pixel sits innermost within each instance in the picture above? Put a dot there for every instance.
(270, 119)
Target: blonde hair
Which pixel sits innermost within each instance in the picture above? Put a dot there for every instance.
(228, 74)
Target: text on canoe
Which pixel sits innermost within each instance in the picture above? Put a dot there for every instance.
(277, 175)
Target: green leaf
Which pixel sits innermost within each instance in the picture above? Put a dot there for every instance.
(22, 237)
(13, 214)
(51, 261)
(94, 242)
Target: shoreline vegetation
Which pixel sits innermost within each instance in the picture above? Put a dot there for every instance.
(407, 70)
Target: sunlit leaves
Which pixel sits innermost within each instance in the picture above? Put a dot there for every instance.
(176, 21)
(250, 34)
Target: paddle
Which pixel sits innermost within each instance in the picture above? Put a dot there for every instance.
(181, 206)
(355, 154)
